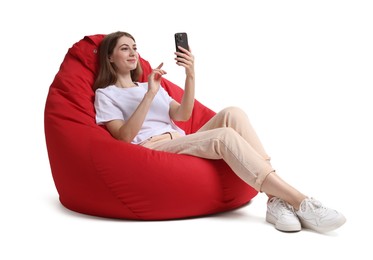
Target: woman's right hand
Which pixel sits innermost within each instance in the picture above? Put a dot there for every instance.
(154, 79)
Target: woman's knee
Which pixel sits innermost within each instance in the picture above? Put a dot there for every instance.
(233, 111)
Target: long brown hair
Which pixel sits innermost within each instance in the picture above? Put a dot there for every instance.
(107, 74)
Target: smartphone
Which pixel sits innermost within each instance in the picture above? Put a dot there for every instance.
(181, 39)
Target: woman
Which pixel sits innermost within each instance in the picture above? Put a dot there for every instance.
(143, 114)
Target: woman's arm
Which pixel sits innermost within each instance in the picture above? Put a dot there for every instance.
(183, 111)
(127, 130)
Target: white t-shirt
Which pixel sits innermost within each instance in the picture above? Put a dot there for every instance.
(120, 103)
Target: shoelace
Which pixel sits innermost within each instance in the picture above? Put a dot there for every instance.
(315, 206)
(286, 207)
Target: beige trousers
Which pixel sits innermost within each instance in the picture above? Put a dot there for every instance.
(228, 136)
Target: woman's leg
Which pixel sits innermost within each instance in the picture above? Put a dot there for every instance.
(243, 152)
(237, 119)
(219, 143)
(230, 136)
(273, 185)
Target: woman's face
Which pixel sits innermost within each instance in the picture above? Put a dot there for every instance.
(125, 56)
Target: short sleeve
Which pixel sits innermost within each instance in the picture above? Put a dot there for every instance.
(106, 109)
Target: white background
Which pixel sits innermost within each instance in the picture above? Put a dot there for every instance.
(302, 70)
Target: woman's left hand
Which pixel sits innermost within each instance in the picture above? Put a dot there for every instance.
(185, 59)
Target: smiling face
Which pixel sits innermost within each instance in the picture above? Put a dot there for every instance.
(124, 56)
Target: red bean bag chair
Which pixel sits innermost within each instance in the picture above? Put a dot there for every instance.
(98, 175)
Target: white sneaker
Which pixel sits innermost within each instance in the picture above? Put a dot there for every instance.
(313, 215)
(282, 215)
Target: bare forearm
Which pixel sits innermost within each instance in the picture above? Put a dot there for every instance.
(184, 111)
(132, 126)
(187, 102)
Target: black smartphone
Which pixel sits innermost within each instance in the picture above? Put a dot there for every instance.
(181, 39)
